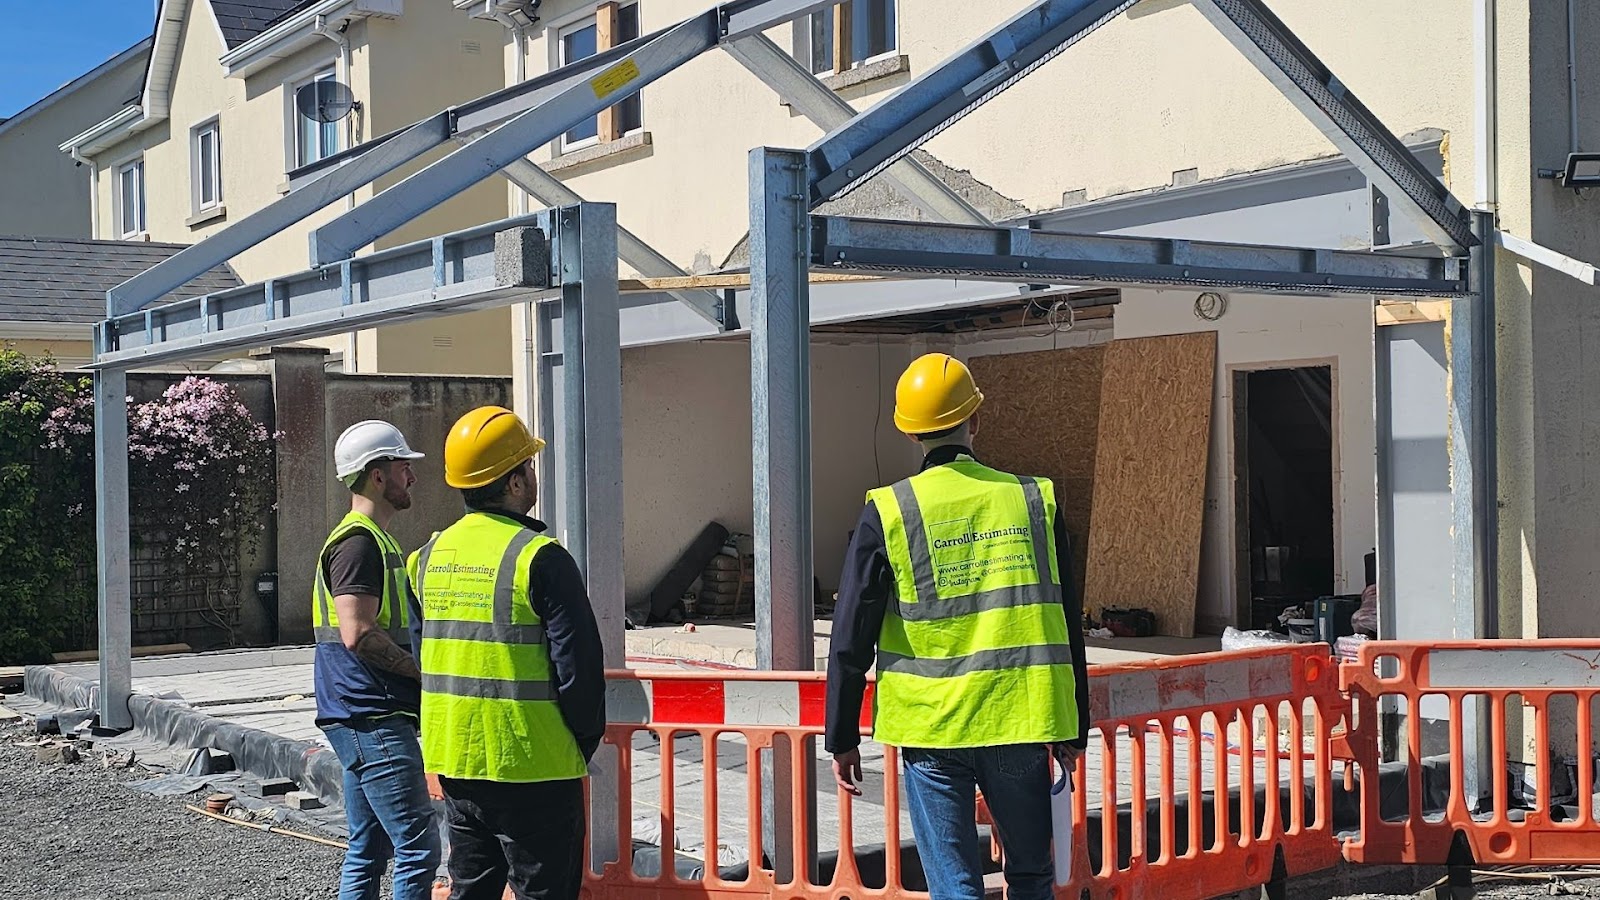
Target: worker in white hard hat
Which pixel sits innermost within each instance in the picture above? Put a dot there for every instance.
(367, 682)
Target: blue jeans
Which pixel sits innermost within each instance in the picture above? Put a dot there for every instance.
(1015, 780)
(386, 803)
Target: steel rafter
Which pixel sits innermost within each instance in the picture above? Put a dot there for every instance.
(1343, 119)
(874, 140)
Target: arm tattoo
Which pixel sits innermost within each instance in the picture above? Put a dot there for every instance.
(378, 649)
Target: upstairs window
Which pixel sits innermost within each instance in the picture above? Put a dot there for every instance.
(206, 166)
(313, 140)
(863, 29)
(130, 199)
(612, 24)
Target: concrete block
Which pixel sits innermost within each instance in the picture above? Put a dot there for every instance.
(47, 724)
(522, 258)
(302, 800)
(57, 755)
(277, 787)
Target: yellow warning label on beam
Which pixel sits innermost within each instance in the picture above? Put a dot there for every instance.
(612, 80)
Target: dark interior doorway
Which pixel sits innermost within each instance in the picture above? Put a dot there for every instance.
(1283, 468)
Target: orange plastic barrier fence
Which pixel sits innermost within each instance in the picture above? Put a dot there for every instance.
(1170, 732)
(1550, 685)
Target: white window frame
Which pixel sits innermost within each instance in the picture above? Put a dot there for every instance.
(556, 34)
(803, 51)
(118, 206)
(197, 170)
(292, 117)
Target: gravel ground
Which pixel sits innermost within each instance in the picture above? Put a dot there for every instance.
(1504, 890)
(77, 831)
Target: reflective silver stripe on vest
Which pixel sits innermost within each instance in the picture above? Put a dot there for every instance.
(327, 634)
(487, 632)
(981, 661)
(917, 543)
(505, 581)
(1040, 527)
(394, 569)
(487, 688)
(422, 566)
(999, 598)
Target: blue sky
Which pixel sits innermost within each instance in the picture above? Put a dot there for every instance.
(46, 45)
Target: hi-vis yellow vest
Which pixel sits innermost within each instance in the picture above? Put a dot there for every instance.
(392, 605)
(973, 650)
(488, 698)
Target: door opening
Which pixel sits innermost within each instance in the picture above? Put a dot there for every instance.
(1283, 477)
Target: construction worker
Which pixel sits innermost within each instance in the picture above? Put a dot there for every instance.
(513, 686)
(367, 682)
(957, 584)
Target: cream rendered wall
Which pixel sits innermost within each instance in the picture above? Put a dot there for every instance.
(66, 354)
(42, 190)
(253, 114)
(686, 446)
(1161, 88)
(430, 58)
(401, 70)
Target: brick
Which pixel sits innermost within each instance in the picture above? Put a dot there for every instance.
(303, 800)
(277, 787)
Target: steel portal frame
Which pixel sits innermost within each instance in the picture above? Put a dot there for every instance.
(342, 292)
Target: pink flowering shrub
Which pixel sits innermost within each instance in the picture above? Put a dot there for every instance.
(200, 477)
(200, 470)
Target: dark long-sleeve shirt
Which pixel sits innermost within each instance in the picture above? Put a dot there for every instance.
(865, 588)
(558, 596)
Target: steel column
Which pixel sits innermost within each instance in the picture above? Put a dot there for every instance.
(1470, 346)
(112, 546)
(780, 407)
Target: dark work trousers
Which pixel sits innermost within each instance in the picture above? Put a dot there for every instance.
(527, 835)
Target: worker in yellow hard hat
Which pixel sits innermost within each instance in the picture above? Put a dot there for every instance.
(957, 584)
(513, 689)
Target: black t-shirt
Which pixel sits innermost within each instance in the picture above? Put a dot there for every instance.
(347, 687)
(355, 566)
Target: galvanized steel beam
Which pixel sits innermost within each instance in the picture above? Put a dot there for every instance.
(1020, 254)
(475, 268)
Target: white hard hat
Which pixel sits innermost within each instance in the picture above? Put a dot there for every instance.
(366, 441)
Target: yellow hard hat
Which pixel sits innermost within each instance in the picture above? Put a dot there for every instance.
(936, 393)
(485, 444)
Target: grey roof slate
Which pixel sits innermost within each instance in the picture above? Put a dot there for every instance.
(242, 20)
(66, 279)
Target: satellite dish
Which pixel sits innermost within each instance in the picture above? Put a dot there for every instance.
(325, 100)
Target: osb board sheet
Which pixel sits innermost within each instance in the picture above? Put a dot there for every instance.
(1150, 477)
(1039, 417)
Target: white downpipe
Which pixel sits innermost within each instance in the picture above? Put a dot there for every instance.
(341, 73)
(1572, 77)
(524, 318)
(1487, 105)
(94, 191)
